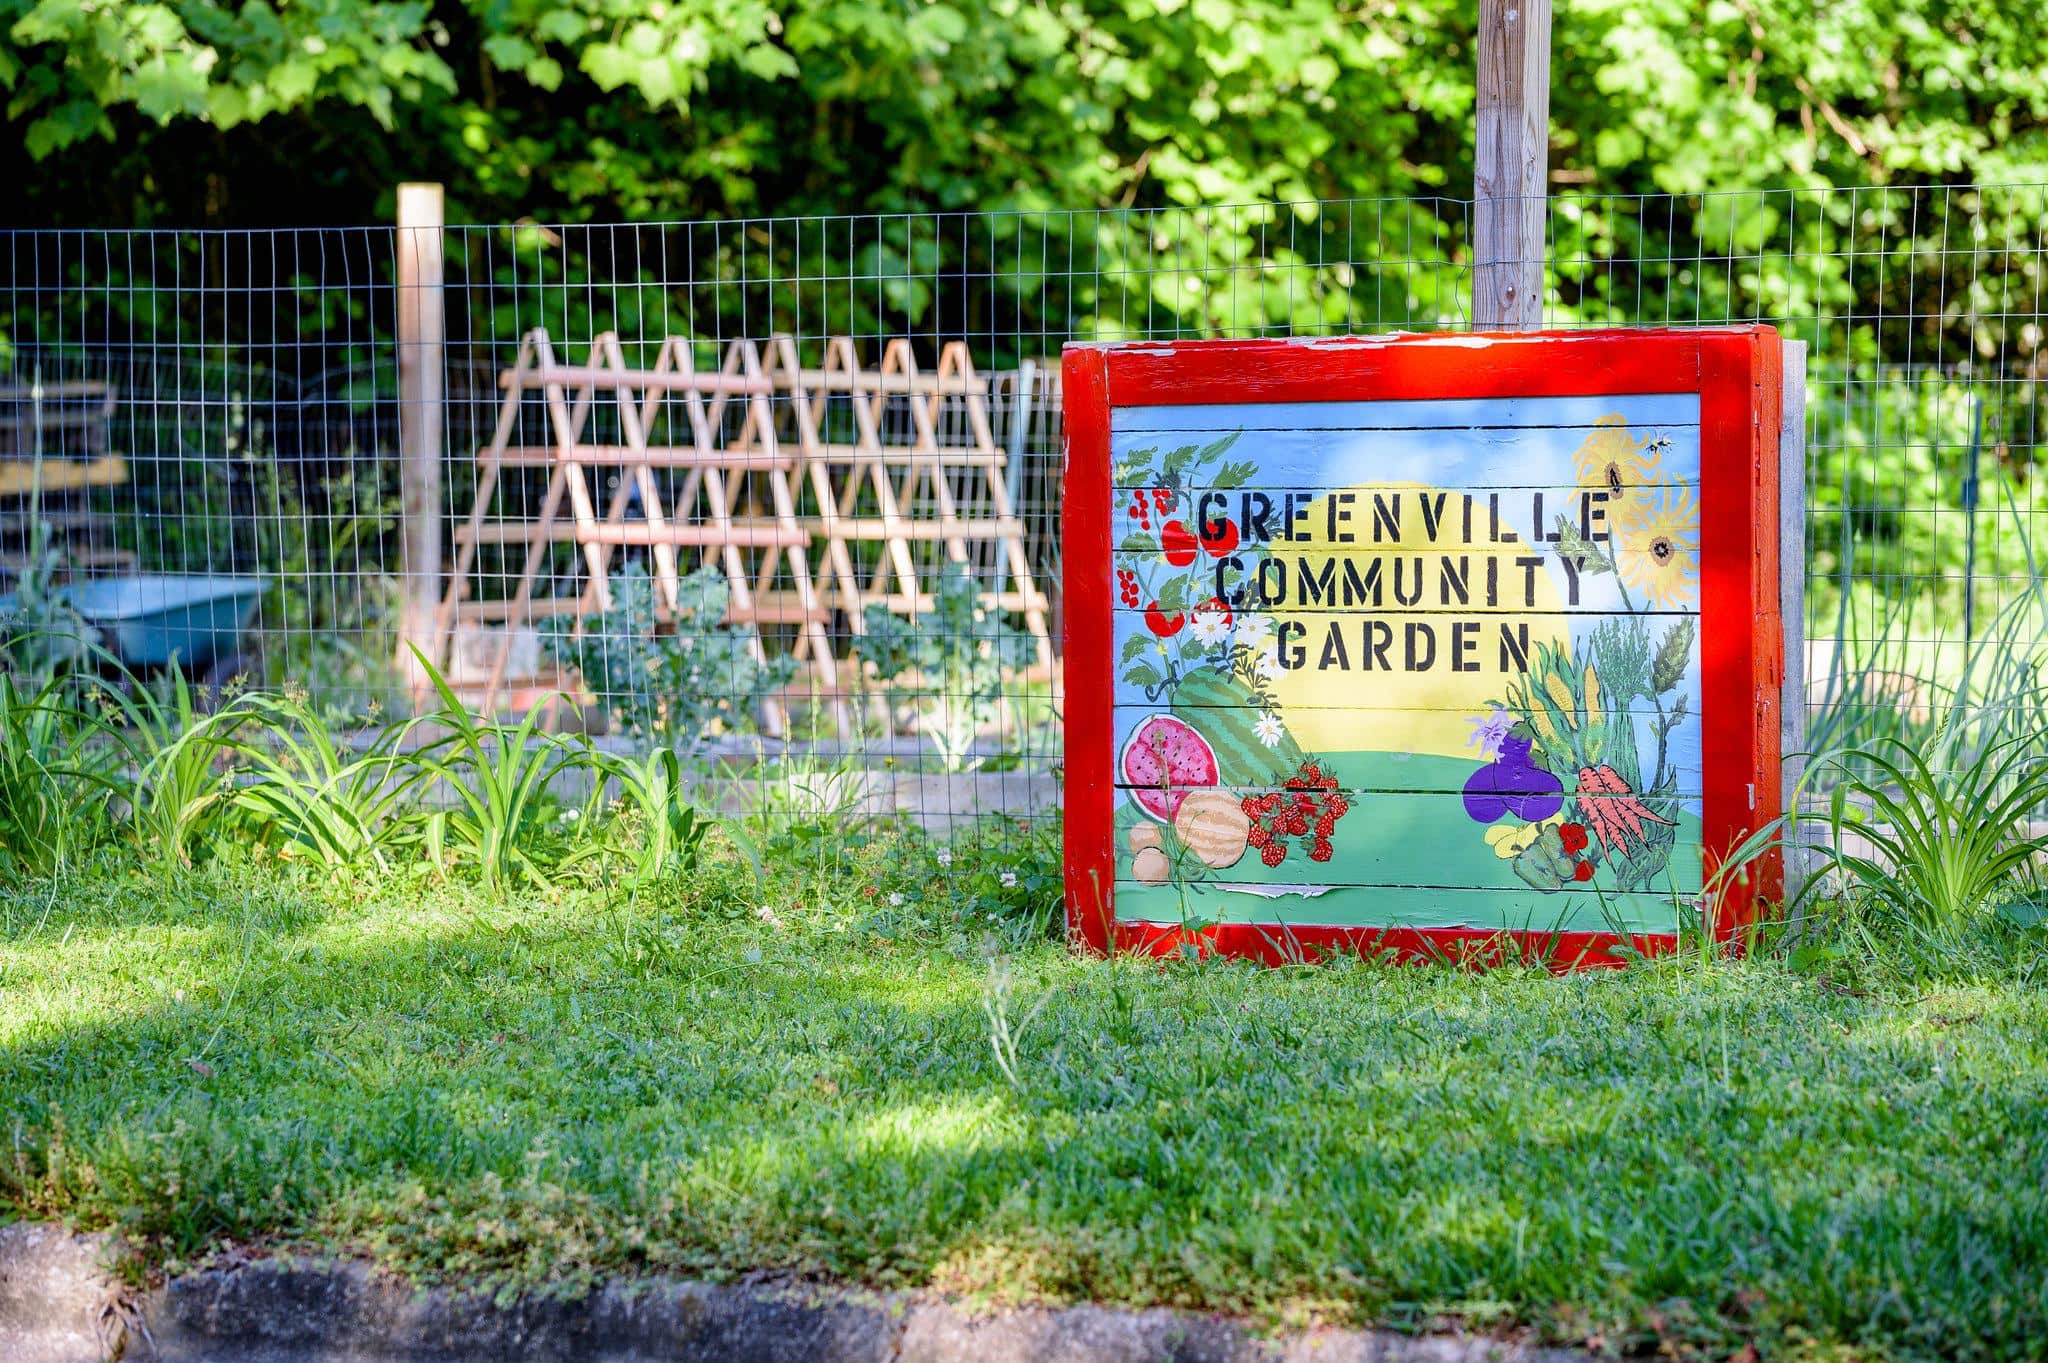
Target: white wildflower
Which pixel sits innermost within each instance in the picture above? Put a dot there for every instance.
(1210, 626)
(945, 857)
(1009, 880)
(896, 900)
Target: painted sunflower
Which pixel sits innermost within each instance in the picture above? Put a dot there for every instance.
(1621, 463)
(1657, 545)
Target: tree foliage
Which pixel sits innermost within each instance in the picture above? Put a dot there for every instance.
(199, 111)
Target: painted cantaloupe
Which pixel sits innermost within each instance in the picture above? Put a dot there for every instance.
(1213, 826)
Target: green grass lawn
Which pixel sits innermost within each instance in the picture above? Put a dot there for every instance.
(541, 1092)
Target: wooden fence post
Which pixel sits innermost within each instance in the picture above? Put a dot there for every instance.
(420, 335)
(1513, 160)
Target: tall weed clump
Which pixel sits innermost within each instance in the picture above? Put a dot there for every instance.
(1932, 845)
(56, 795)
(92, 757)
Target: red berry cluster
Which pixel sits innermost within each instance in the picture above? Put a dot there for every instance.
(1141, 509)
(1304, 802)
(1127, 587)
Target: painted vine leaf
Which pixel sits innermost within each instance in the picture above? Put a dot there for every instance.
(1571, 544)
(1235, 475)
(1138, 465)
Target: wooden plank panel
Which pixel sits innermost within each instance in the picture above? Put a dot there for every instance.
(1415, 838)
(1373, 606)
(1246, 766)
(1513, 457)
(1523, 910)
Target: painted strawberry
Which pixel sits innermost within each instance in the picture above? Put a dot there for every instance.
(1179, 543)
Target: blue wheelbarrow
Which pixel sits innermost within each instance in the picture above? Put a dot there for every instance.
(193, 621)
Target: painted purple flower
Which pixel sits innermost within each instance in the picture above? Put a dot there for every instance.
(1488, 730)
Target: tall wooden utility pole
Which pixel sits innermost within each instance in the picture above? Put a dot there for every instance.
(1513, 163)
(420, 335)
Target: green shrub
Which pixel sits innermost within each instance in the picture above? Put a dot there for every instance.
(946, 664)
(678, 681)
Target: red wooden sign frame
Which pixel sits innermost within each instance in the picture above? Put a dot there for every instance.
(1736, 373)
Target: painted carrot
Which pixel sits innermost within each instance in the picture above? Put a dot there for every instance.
(1612, 808)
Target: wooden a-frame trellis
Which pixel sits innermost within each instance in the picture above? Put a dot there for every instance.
(705, 513)
(908, 479)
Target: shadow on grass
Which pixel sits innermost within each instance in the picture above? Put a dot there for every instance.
(541, 1094)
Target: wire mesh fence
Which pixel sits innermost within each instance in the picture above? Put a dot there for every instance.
(783, 493)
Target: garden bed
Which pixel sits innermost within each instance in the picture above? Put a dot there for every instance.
(863, 1073)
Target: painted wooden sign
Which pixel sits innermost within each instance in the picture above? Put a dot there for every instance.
(1419, 640)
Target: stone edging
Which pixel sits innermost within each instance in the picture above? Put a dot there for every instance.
(59, 1305)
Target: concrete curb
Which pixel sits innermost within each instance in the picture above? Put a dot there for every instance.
(59, 1304)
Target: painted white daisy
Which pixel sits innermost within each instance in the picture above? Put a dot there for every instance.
(1009, 880)
(1209, 626)
(1267, 728)
(1249, 630)
(1269, 663)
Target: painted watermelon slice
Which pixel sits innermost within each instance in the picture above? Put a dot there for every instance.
(1164, 760)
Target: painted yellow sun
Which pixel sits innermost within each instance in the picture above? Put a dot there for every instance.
(1454, 615)
(1657, 546)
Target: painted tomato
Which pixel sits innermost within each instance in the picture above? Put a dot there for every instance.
(1179, 543)
(1220, 539)
(1162, 624)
